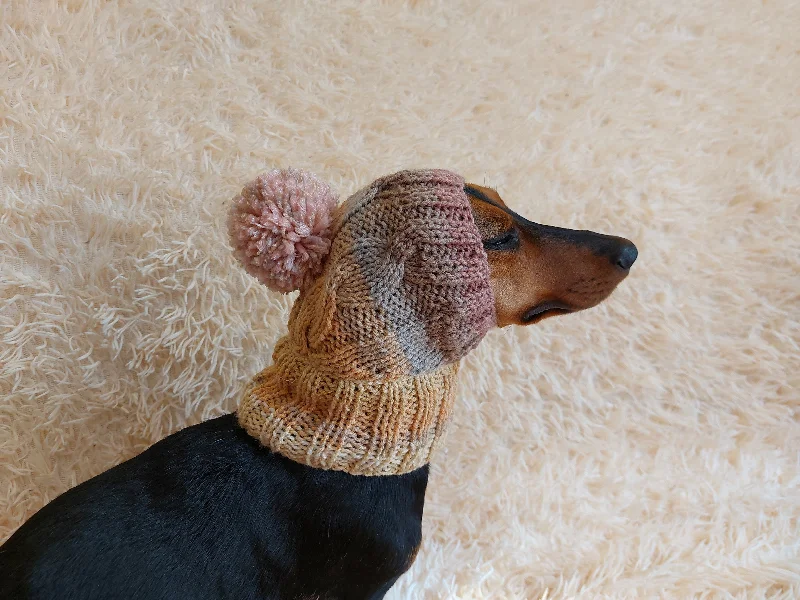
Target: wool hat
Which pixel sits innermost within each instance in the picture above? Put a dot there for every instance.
(394, 291)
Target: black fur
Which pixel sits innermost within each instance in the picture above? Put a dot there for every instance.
(209, 514)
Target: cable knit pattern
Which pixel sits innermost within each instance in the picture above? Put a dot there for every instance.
(364, 380)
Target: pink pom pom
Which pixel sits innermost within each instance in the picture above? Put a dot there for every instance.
(279, 228)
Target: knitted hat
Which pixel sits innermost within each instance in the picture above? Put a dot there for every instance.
(394, 291)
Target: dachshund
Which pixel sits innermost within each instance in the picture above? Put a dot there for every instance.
(207, 513)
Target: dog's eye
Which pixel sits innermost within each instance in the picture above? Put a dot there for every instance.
(508, 240)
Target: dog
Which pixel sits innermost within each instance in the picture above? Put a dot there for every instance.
(209, 513)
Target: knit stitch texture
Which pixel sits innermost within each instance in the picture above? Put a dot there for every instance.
(364, 380)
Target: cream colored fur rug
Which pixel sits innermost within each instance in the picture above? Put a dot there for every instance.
(648, 448)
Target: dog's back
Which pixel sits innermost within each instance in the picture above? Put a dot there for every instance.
(208, 513)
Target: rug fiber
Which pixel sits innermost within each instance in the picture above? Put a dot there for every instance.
(648, 448)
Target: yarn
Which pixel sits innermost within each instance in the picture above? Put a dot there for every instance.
(364, 381)
(279, 227)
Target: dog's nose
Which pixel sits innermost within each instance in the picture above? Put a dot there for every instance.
(626, 255)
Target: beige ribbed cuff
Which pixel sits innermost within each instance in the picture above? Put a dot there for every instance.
(362, 427)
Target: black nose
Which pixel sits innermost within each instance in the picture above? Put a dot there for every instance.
(627, 255)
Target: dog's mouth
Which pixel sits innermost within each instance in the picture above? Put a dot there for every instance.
(544, 310)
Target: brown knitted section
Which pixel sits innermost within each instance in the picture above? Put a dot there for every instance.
(315, 417)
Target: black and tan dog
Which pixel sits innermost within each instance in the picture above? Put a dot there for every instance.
(209, 513)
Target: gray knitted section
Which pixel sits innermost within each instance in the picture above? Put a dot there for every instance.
(382, 267)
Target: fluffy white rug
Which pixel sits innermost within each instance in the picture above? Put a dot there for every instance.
(648, 448)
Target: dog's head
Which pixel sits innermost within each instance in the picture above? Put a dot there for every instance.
(539, 271)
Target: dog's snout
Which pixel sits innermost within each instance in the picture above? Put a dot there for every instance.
(625, 256)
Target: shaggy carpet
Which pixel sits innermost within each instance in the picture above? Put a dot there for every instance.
(648, 448)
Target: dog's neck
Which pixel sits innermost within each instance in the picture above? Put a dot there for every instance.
(301, 407)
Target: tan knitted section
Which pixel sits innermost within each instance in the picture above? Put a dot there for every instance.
(313, 416)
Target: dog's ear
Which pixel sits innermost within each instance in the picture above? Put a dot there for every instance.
(491, 220)
(485, 194)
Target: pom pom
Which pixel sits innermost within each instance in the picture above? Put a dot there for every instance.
(279, 228)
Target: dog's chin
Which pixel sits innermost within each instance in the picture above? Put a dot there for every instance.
(542, 311)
